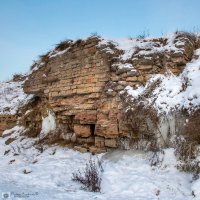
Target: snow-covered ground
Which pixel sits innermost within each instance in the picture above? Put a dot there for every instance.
(12, 97)
(28, 173)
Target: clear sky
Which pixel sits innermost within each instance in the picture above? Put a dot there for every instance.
(29, 28)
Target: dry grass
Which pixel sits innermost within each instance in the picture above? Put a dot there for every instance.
(187, 153)
(192, 127)
(142, 121)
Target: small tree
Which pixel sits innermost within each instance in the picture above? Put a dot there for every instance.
(90, 177)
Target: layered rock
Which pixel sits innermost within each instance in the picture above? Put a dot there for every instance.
(84, 83)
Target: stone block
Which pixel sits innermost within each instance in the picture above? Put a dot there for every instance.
(107, 130)
(101, 117)
(140, 78)
(96, 150)
(82, 130)
(111, 143)
(80, 149)
(86, 141)
(97, 89)
(99, 141)
(131, 79)
(87, 117)
(145, 67)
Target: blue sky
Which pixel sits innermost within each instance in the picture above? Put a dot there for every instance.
(29, 28)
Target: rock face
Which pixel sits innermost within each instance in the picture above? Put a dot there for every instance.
(7, 122)
(83, 83)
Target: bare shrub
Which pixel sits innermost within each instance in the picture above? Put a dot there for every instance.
(185, 150)
(90, 177)
(78, 42)
(44, 58)
(195, 169)
(33, 65)
(157, 158)
(63, 45)
(187, 34)
(187, 153)
(94, 34)
(143, 34)
(191, 166)
(130, 38)
(142, 129)
(192, 127)
(18, 77)
(156, 153)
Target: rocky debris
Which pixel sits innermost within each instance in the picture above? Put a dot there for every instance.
(10, 140)
(81, 149)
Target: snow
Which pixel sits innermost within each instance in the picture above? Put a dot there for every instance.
(173, 92)
(147, 46)
(56, 53)
(195, 188)
(15, 131)
(12, 97)
(127, 174)
(133, 48)
(126, 65)
(48, 124)
(134, 93)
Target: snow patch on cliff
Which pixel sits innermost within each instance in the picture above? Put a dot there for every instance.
(15, 131)
(12, 97)
(147, 46)
(172, 92)
(48, 124)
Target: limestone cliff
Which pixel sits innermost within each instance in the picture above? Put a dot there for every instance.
(102, 94)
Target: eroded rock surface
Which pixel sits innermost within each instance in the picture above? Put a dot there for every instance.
(84, 83)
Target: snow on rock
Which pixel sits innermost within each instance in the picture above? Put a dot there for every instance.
(134, 93)
(55, 53)
(173, 92)
(132, 48)
(126, 65)
(129, 46)
(48, 124)
(15, 131)
(12, 97)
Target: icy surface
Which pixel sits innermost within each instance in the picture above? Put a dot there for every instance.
(12, 97)
(46, 174)
(173, 92)
(48, 124)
